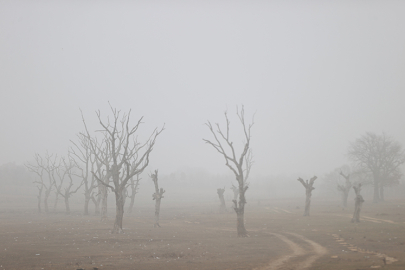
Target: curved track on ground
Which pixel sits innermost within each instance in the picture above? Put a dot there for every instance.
(304, 253)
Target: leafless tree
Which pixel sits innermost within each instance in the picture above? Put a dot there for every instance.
(59, 174)
(239, 166)
(102, 157)
(134, 190)
(308, 185)
(379, 154)
(85, 161)
(345, 189)
(66, 170)
(44, 167)
(121, 156)
(40, 183)
(358, 202)
(157, 196)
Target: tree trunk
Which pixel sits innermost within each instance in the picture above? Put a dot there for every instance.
(96, 204)
(39, 204)
(86, 203)
(104, 196)
(157, 212)
(376, 197)
(240, 212)
(222, 207)
(307, 204)
(345, 195)
(381, 193)
(67, 204)
(357, 208)
(40, 198)
(131, 204)
(47, 193)
(56, 201)
(119, 215)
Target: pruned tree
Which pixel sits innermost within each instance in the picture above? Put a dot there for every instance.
(157, 196)
(345, 189)
(358, 202)
(67, 171)
(379, 154)
(222, 206)
(308, 185)
(121, 156)
(85, 162)
(240, 166)
(134, 190)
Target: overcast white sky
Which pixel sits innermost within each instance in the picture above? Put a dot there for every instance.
(318, 74)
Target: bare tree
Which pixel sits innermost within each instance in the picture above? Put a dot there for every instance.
(157, 196)
(345, 189)
(239, 166)
(379, 154)
(134, 190)
(222, 206)
(44, 168)
(84, 161)
(127, 157)
(67, 171)
(60, 174)
(358, 202)
(40, 183)
(308, 185)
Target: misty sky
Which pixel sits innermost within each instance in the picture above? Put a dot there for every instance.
(318, 74)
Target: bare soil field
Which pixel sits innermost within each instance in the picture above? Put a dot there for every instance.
(195, 237)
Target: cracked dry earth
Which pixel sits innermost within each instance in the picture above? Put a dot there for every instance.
(195, 237)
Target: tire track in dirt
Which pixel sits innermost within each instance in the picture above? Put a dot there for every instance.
(316, 248)
(366, 218)
(297, 251)
(340, 240)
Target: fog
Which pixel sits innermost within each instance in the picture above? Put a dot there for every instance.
(315, 76)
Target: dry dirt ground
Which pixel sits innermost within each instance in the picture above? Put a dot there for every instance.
(192, 237)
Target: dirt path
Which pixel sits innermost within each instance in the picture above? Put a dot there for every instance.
(308, 256)
(317, 249)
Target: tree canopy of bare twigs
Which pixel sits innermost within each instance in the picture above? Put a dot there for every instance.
(380, 155)
(44, 167)
(121, 154)
(239, 165)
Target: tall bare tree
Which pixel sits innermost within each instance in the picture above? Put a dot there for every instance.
(44, 167)
(85, 161)
(239, 166)
(157, 196)
(345, 189)
(67, 171)
(59, 174)
(358, 202)
(40, 183)
(379, 154)
(308, 185)
(128, 157)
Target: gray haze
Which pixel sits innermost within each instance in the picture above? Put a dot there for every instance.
(318, 74)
